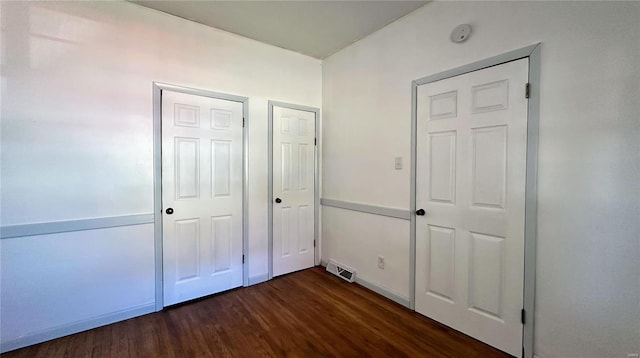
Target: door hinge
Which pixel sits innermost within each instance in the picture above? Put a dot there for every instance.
(242, 122)
(315, 141)
(314, 243)
(527, 90)
(523, 315)
(243, 258)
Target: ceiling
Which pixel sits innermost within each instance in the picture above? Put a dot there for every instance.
(314, 28)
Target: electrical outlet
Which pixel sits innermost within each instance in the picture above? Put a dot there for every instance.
(381, 262)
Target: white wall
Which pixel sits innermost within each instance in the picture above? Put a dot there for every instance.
(588, 271)
(77, 143)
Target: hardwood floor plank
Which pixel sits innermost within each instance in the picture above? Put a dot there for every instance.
(310, 313)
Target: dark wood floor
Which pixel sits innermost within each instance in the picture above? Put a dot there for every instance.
(305, 314)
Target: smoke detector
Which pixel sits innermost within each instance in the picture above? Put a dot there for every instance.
(461, 33)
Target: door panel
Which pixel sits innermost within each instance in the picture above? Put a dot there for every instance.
(188, 248)
(293, 183)
(489, 166)
(442, 163)
(187, 168)
(471, 154)
(220, 168)
(441, 256)
(486, 274)
(221, 245)
(202, 183)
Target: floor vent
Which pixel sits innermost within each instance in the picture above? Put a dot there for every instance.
(342, 271)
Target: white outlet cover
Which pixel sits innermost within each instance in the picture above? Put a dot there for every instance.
(461, 33)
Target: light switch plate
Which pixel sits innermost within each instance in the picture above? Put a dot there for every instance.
(398, 163)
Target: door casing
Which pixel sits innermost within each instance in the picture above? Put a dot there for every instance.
(533, 113)
(316, 185)
(157, 176)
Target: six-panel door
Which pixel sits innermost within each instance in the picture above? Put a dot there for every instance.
(202, 188)
(293, 190)
(471, 154)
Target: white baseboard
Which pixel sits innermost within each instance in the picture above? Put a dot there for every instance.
(384, 292)
(254, 280)
(79, 326)
(379, 290)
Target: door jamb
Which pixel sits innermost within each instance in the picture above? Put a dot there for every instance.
(158, 87)
(316, 196)
(531, 52)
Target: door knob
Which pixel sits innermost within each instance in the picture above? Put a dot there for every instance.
(278, 200)
(420, 212)
(169, 211)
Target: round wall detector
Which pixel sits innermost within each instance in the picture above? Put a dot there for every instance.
(461, 33)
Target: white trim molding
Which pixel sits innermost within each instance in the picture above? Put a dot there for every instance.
(54, 227)
(366, 208)
(384, 292)
(75, 327)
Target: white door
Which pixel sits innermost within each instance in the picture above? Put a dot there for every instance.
(471, 151)
(293, 190)
(201, 196)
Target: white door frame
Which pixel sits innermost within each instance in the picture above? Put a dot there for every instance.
(533, 113)
(157, 176)
(316, 186)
